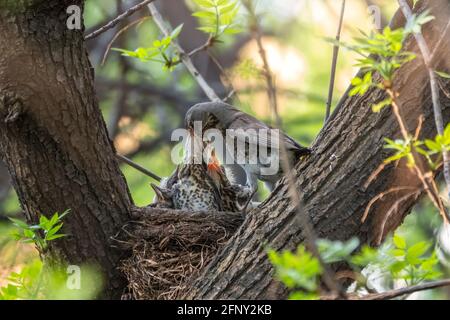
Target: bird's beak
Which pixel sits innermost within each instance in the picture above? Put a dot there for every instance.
(213, 163)
(160, 193)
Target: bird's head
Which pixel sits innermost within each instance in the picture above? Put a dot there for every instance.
(210, 114)
(163, 197)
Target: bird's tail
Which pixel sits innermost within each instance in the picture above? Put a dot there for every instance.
(301, 152)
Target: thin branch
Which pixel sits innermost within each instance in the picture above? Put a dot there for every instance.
(334, 63)
(445, 35)
(426, 54)
(232, 91)
(167, 30)
(427, 181)
(108, 48)
(270, 81)
(310, 237)
(138, 167)
(203, 47)
(394, 209)
(380, 197)
(117, 20)
(403, 291)
(121, 101)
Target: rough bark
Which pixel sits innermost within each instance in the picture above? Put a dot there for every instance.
(53, 138)
(5, 185)
(332, 181)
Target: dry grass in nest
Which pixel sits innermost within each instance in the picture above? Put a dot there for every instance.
(169, 247)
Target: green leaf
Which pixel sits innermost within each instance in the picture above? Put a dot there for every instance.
(414, 252)
(207, 29)
(205, 14)
(433, 146)
(54, 237)
(298, 295)
(379, 106)
(156, 44)
(334, 251)
(28, 233)
(19, 223)
(399, 241)
(443, 74)
(397, 267)
(227, 9)
(176, 32)
(231, 31)
(365, 257)
(204, 3)
(53, 231)
(398, 253)
(65, 213)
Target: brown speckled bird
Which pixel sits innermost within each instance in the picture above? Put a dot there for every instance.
(222, 116)
(191, 190)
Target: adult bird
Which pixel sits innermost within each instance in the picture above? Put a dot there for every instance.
(250, 144)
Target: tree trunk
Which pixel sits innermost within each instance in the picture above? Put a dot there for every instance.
(332, 181)
(5, 185)
(53, 138)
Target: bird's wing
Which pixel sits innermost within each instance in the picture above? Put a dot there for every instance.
(245, 121)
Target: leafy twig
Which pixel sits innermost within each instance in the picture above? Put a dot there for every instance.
(125, 28)
(429, 186)
(426, 54)
(166, 30)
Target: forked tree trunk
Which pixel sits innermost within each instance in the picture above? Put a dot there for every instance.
(53, 137)
(54, 142)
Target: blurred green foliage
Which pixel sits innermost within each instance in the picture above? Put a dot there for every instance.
(412, 263)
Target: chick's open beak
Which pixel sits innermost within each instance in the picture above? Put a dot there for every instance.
(213, 163)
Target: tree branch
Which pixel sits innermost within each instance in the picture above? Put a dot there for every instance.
(138, 167)
(403, 291)
(438, 118)
(117, 20)
(334, 63)
(166, 30)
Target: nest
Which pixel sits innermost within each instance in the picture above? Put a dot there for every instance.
(168, 248)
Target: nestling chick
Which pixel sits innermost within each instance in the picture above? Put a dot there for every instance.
(234, 197)
(192, 189)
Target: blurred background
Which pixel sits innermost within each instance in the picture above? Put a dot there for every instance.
(142, 103)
